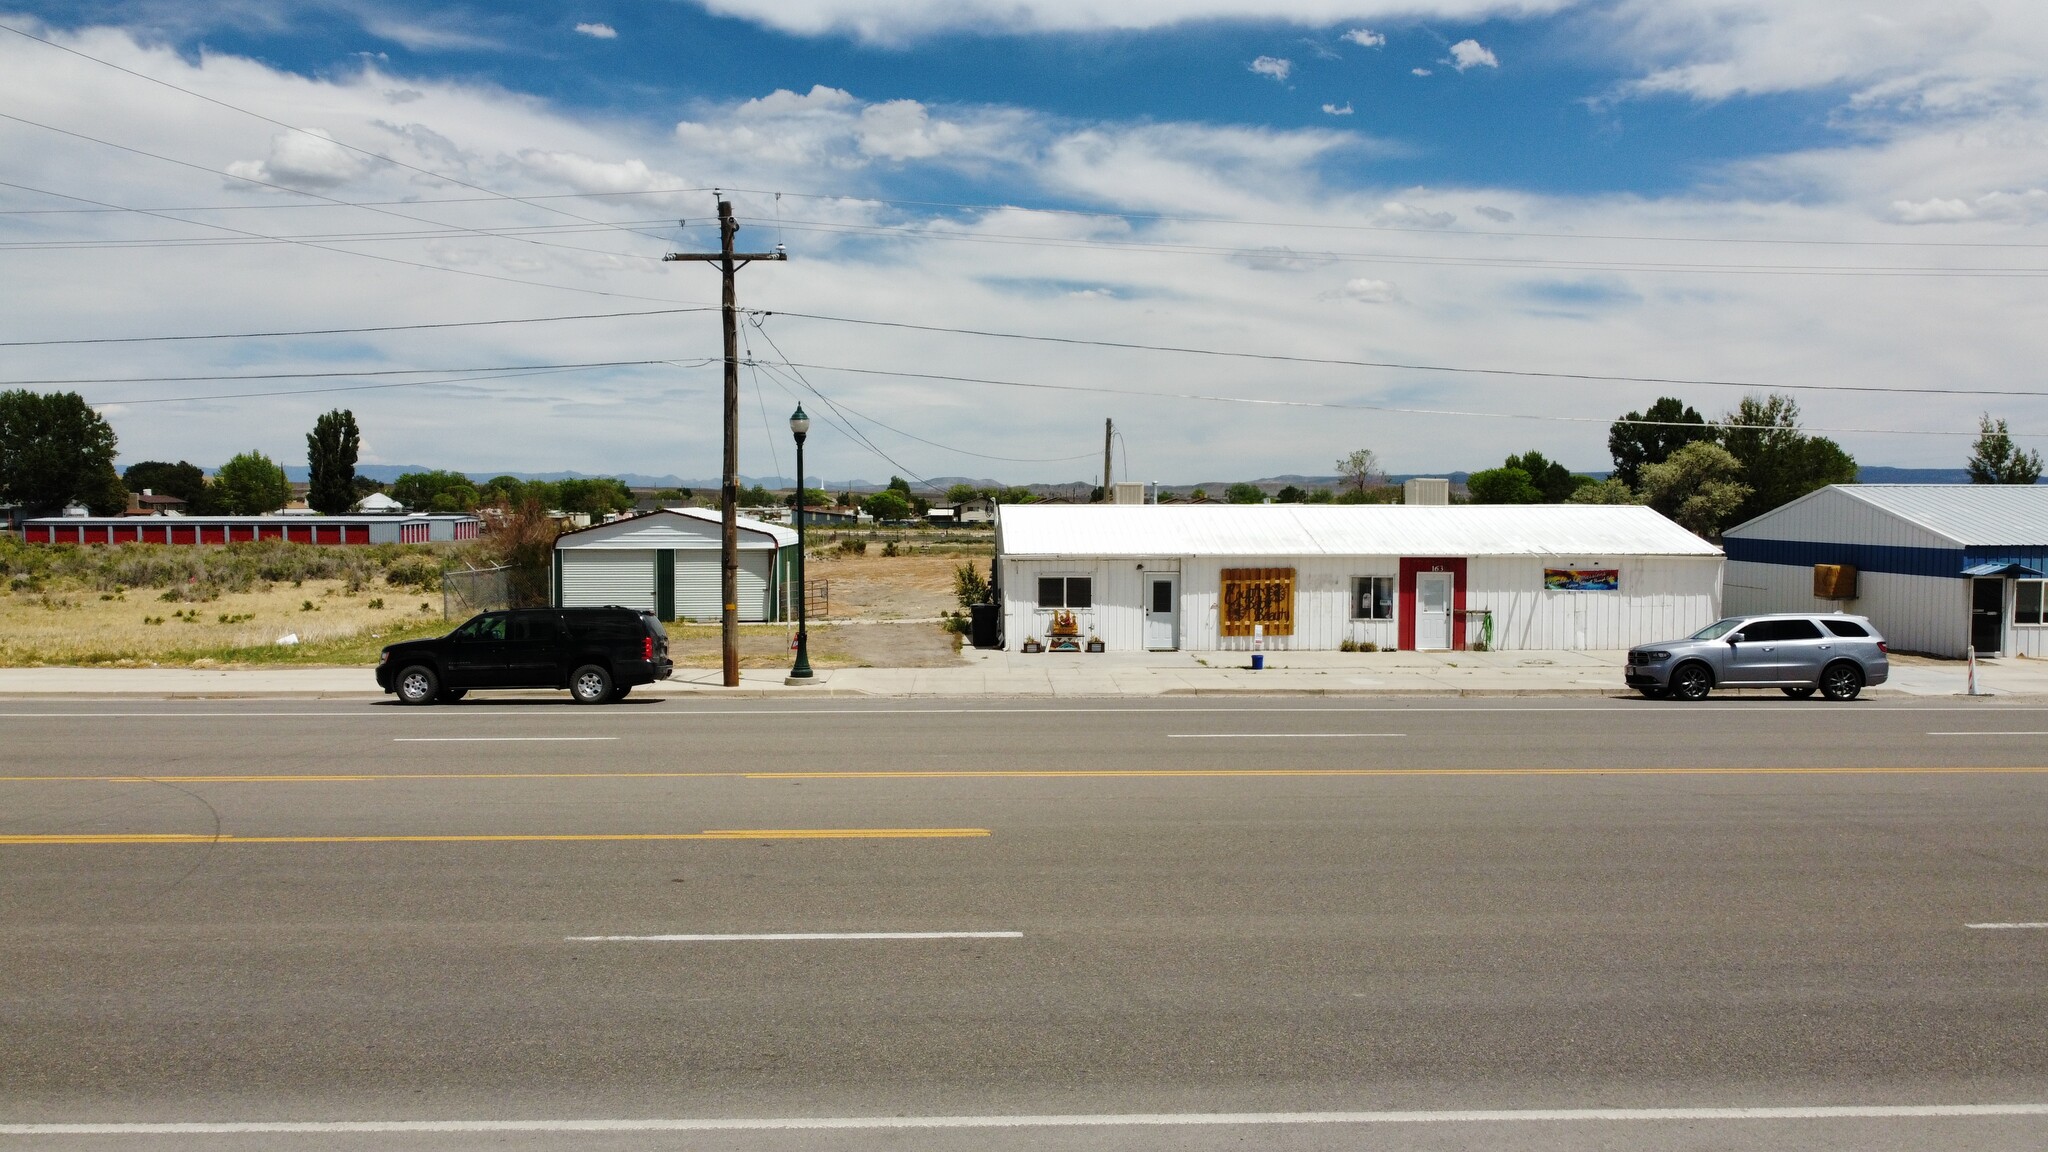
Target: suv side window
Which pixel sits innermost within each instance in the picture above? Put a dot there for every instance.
(1848, 628)
(533, 626)
(488, 627)
(1798, 630)
(1761, 632)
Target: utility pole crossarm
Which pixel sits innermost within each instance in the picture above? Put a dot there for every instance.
(720, 257)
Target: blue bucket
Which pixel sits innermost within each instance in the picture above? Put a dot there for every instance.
(1258, 661)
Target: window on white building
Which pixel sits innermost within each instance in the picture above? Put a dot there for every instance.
(1372, 598)
(1066, 592)
(2030, 602)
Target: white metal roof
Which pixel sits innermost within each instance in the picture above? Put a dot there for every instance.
(1969, 514)
(1563, 530)
(698, 528)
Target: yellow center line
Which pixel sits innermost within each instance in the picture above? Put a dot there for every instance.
(1043, 774)
(182, 838)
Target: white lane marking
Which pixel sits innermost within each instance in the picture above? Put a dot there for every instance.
(721, 938)
(1131, 1120)
(1281, 735)
(497, 739)
(1988, 733)
(2015, 924)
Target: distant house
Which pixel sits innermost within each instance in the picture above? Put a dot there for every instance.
(980, 510)
(940, 514)
(378, 504)
(148, 503)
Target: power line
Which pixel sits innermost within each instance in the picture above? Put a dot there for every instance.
(1362, 407)
(303, 131)
(326, 375)
(514, 232)
(1331, 256)
(344, 251)
(1403, 365)
(855, 432)
(353, 331)
(361, 387)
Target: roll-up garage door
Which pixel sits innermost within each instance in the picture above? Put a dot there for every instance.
(697, 583)
(754, 568)
(594, 577)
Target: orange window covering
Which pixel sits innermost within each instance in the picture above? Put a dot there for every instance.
(1258, 596)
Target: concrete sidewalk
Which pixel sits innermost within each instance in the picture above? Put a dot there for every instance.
(1009, 674)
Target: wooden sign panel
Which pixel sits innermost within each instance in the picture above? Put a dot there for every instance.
(1258, 596)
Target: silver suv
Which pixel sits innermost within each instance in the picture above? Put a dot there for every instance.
(1795, 653)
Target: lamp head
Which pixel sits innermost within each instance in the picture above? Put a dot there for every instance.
(799, 423)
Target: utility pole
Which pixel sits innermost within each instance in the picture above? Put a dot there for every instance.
(1108, 434)
(730, 262)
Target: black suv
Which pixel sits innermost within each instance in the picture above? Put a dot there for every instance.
(598, 654)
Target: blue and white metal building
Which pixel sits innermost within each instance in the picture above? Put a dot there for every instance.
(1939, 568)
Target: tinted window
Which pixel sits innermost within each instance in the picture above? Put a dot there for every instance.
(532, 626)
(604, 626)
(1052, 592)
(1716, 630)
(1800, 630)
(1768, 631)
(2028, 606)
(1162, 596)
(1846, 628)
(491, 627)
(1080, 592)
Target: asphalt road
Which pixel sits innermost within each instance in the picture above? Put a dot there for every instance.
(1421, 924)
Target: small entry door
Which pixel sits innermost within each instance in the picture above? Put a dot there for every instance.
(1987, 617)
(1433, 611)
(1162, 612)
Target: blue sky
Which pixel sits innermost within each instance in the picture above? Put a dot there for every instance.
(1815, 195)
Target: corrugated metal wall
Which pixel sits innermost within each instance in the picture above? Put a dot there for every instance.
(593, 578)
(1915, 613)
(697, 585)
(1660, 598)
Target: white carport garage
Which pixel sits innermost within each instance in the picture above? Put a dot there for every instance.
(666, 562)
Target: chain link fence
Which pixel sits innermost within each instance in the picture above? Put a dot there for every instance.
(466, 593)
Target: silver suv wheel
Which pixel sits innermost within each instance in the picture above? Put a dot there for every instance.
(1841, 681)
(590, 684)
(1691, 682)
(417, 685)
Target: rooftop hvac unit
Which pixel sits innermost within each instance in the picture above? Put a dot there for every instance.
(1426, 490)
(1834, 581)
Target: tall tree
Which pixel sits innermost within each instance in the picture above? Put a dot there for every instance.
(55, 449)
(1779, 462)
(185, 481)
(1700, 486)
(1359, 469)
(1554, 480)
(436, 490)
(1996, 460)
(331, 459)
(1667, 426)
(250, 485)
(1503, 486)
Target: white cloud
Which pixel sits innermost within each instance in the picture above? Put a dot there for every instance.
(1366, 38)
(1197, 261)
(1366, 291)
(1470, 54)
(891, 20)
(419, 37)
(1931, 211)
(1273, 66)
(599, 31)
(1419, 72)
(1343, 109)
(310, 160)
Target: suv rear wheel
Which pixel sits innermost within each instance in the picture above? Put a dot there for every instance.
(1841, 681)
(1691, 682)
(590, 684)
(417, 684)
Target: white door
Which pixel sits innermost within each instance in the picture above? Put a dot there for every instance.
(595, 577)
(1433, 611)
(1162, 612)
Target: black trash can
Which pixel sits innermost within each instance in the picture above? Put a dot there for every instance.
(986, 625)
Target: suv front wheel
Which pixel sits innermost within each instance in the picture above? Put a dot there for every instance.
(590, 684)
(1691, 682)
(417, 684)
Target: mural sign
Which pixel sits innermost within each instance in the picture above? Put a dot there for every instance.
(1258, 596)
(1581, 580)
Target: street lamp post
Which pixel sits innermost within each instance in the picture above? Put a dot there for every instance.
(800, 673)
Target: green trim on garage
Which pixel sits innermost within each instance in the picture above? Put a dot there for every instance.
(665, 583)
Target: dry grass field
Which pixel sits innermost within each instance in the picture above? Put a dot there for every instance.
(211, 609)
(135, 627)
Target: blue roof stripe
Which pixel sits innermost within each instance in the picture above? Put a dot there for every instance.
(1866, 557)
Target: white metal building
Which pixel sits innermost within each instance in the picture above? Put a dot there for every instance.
(1310, 576)
(1937, 567)
(666, 562)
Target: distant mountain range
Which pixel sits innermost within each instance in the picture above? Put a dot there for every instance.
(1873, 474)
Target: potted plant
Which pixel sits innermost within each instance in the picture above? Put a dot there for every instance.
(1031, 644)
